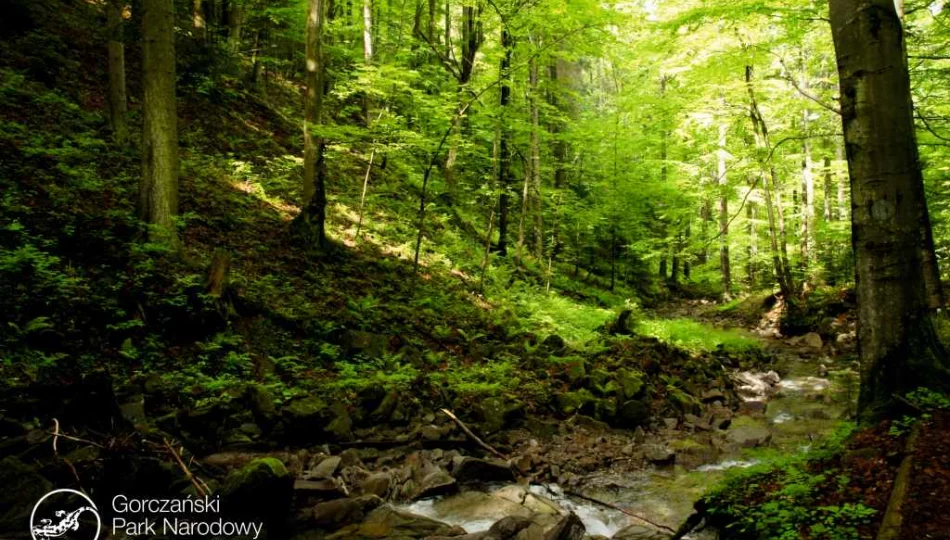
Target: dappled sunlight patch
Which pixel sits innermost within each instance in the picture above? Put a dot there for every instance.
(696, 336)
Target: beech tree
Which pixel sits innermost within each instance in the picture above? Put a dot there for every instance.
(158, 190)
(897, 343)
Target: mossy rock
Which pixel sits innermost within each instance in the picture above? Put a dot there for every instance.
(262, 489)
(630, 383)
(580, 401)
(306, 419)
(341, 427)
(632, 414)
(574, 369)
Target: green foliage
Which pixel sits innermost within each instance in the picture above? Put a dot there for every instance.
(696, 336)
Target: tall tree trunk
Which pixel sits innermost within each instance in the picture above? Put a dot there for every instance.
(808, 202)
(537, 240)
(752, 252)
(686, 263)
(367, 54)
(199, 20)
(842, 181)
(722, 181)
(769, 178)
(158, 191)
(504, 180)
(897, 343)
(310, 223)
(235, 26)
(118, 102)
(828, 210)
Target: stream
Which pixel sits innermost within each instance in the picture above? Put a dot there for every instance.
(801, 409)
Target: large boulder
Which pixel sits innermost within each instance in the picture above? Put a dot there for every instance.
(437, 482)
(342, 512)
(377, 484)
(569, 528)
(470, 469)
(580, 401)
(514, 528)
(632, 414)
(306, 419)
(495, 413)
(388, 522)
(262, 490)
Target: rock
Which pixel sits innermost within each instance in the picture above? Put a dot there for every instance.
(670, 423)
(569, 528)
(351, 458)
(713, 395)
(554, 343)
(630, 383)
(752, 408)
(822, 370)
(748, 434)
(262, 489)
(22, 488)
(305, 419)
(471, 469)
(658, 454)
(260, 401)
(341, 512)
(366, 343)
(436, 483)
(377, 484)
(633, 414)
(133, 410)
(696, 422)
(813, 340)
(639, 435)
(637, 532)
(386, 409)
(319, 490)
(580, 401)
(326, 468)
(388, 522)
(494, 413)
(771, 378)
(514, 528)
(340, 428)
(575, 369)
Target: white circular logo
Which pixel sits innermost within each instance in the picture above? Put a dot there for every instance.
(64, 520)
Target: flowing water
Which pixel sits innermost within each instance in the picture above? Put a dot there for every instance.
(801, 411)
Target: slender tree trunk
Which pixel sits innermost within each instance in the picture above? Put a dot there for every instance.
(723, 181)
(770, 186)
(537, 240)
(686, 236)
(897, 342)
(310, 223)
(842, 179)
(235, 26)
(448, 29)
(504, 180)
(808, 203)
(118, 102)
(828, 210)
(367, 54)
(752, 252)
(198, 19)
(158, 191)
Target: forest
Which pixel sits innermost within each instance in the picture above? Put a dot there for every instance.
(474, 269)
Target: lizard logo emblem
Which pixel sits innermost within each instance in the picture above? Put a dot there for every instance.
(64, 521)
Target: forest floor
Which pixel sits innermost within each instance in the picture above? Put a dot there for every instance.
(317, 382)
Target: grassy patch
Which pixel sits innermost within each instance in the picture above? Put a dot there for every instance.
(696, 336)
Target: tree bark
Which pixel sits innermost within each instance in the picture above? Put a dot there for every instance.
(235, 26)
(118, 102)
(536, 239)
(310, 224)
(897, 343)
(829, 208)
(723, 183)
(199, 20)
(504, 176)
(158, 191)
(769, 178)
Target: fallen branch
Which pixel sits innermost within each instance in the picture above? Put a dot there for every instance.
(637, 517)
(893, 517)
(472, 435)
(199, 484)
(55, 434)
